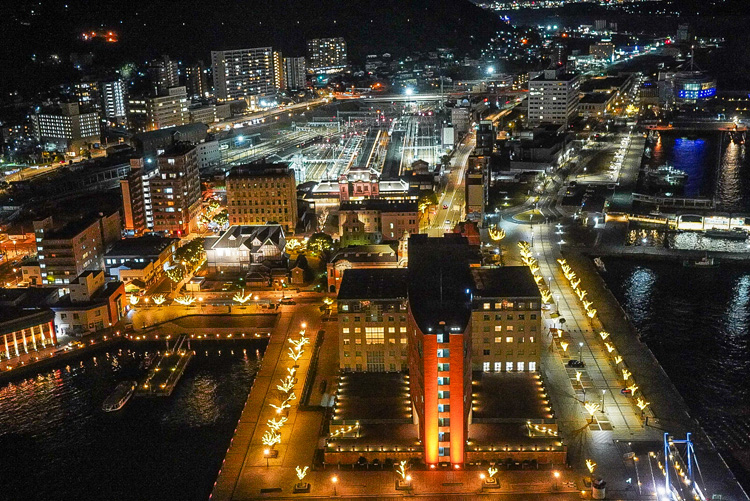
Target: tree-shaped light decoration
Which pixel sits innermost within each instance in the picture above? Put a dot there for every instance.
(610, 348)
(618, 359)
(575, 283)
(591, 313)
(276, 424)
(633, 387)
(327, 301)
(578, 376)
(587, 304)
(299, 343)
(302, 473)
(271, 438)
(534, 268)
(295, 355)
(604, 335)
(564, 345)
(280, 408)
(562, 262)
(496, 234)
(641, 404)
(289, 398)
(491, 472)
(590, 465)
(134, 299)
(159, 299)
(401, 470)
(287, 384)
(546, 296)
(591, 407)
(581, 293)
(241, 298)
(626, 374)
(291, 370)
(185, 300)
(538, 279)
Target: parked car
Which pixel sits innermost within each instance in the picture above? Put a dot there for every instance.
(626, 391)
(576, 363)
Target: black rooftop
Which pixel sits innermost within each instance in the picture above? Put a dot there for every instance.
(374, 284)
(380, 205)
(506, 281)
(141, 246)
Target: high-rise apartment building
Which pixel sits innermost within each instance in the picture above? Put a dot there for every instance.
(114, 100)
(295, 73)
(176, 190)
(279, 78)
(87, 94)
(553, 97)
(68, 128)
(164, 75)
(243, 73)
(64, 252)
(170, 110)
(326, 55)
(138, 215)
(262, 194)
(196, 82)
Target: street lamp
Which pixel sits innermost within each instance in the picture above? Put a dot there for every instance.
(580, 352)
(266, 453)
(556, 475)
(603, 392)
(334, 480)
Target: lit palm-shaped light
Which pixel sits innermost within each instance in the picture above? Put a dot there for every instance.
(401, 470)
(591, 313)
(575, 283)
(184, 300)
(590, 465)
(287, 384)
(626, 374)
(587, 304)
(633, 387)
(592, 408)
(610, 348)
(302, 472)
(496, 234)
(642, 404)
(134, 299)
(276, 424)
(581, 293)
(271, 438)
(618, 359)
(534, 268)
(578, 376)
(295, 354)
(546, 296)
(564, 345)
(327, 301)
(158, 299)
(491, 472)
(291, 370)
(604, 335)
(241, 298)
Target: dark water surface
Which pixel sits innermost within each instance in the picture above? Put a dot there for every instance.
(58, 444)
(697, 324)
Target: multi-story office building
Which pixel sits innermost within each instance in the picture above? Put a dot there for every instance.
(196, 81)
(88, 94)
(326, 55)
(295, 73)
(176, 191)
(164, 75)
(114, 100)
(440, 319)
(553, 97)
(68, 128)
(374, 221)
(243, 73)
(67, 251)
(203, 114)
(259, 194)
(170, 110)
(603, 50)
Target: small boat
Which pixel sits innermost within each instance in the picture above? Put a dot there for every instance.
(734, 234)
(704, 262)
(600, 264)
(119, 397)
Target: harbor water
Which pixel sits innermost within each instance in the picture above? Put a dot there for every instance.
(59, 444)
(697, 324)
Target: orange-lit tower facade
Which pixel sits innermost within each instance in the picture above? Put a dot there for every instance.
(439, 329)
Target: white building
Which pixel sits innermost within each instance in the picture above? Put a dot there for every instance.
(67, 129)
(114, 98)
(209, 154)
(170, 110)
(241, 246)
(243, 73)
(553, 97)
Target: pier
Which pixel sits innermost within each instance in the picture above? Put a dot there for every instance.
(167, 371)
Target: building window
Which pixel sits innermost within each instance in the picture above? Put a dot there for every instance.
(444, 451)
(443, 367)
(498, 339)
(486, 366)
(486, 306)
(519, 366)
(441, 338)
(444, 394)
(509, 339)
(345, 330)
(509, 328)
(485, 352)
(444, 407)
(357, 340)
(498, 366)
(532, 366)
(346, 340)
(403, 340)
(443, 381)
(443, 353)
(402, 330)
(509, 366)
(498, 328)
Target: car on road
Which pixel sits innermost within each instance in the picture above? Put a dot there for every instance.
(626, 391)
(576, 363)
(445, 206)
(287, 301)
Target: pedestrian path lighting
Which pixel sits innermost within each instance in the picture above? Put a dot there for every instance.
(604, 335)
(401, 470)
(158, 299)
(578, 376)
(610, 348)
(590, 465)
(404, 482)
(134, 299)
(276, 424)
(633, 387)
(291, 370)
(334, 481)
(556, 477)
(287, 384)
(564, 346)
(302, 472)
(496, 234)
(295, 354)
(626, 374)
(618, 359)
(581, 293)
(592, 408)
(574, 283)
(185, 300)
(642, 404)
(591, 313)
(299, 343)
(271, 438)
(241, 298)
(302, 486)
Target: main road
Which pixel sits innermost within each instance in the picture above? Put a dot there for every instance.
(452, 199)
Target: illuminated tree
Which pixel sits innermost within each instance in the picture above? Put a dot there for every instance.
(618, 359)
(491, 472)
(578, 376)
(626, 374)
(276, 424)
(185, 300)
(604, 335)
(302, 472)
(320, 244)
(591, 313)
(158, 299)
(271, 438)
(496, 234)
(134, 299)
(590, 465)
(295, 355)
(401, 470)
(610, 348)
(642, 404)
(633, 388)
(241, 298)
(592, 408)
(564, 345)
(287, 384)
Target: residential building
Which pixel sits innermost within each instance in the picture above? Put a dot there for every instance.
(203, 114)
(259, 194)
(138, 216)
(279, 79)
(553, 97)
(209, 154)
(168, 110)
(67, 251)
(114, 100)
(88, 94)
(140, 259)
(326, 55)
(196, 81)
(373, 221)
(461, 120)
(295, 73)
(156, 142)
(240, 247)
(243, 74)
(164, 75)
(176, 191)
(93, 304)
(67, 128)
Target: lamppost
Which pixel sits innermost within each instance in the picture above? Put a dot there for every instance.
(266, 453)
(334, 480)
(603, 392)
(580, 352)
(556, 475)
